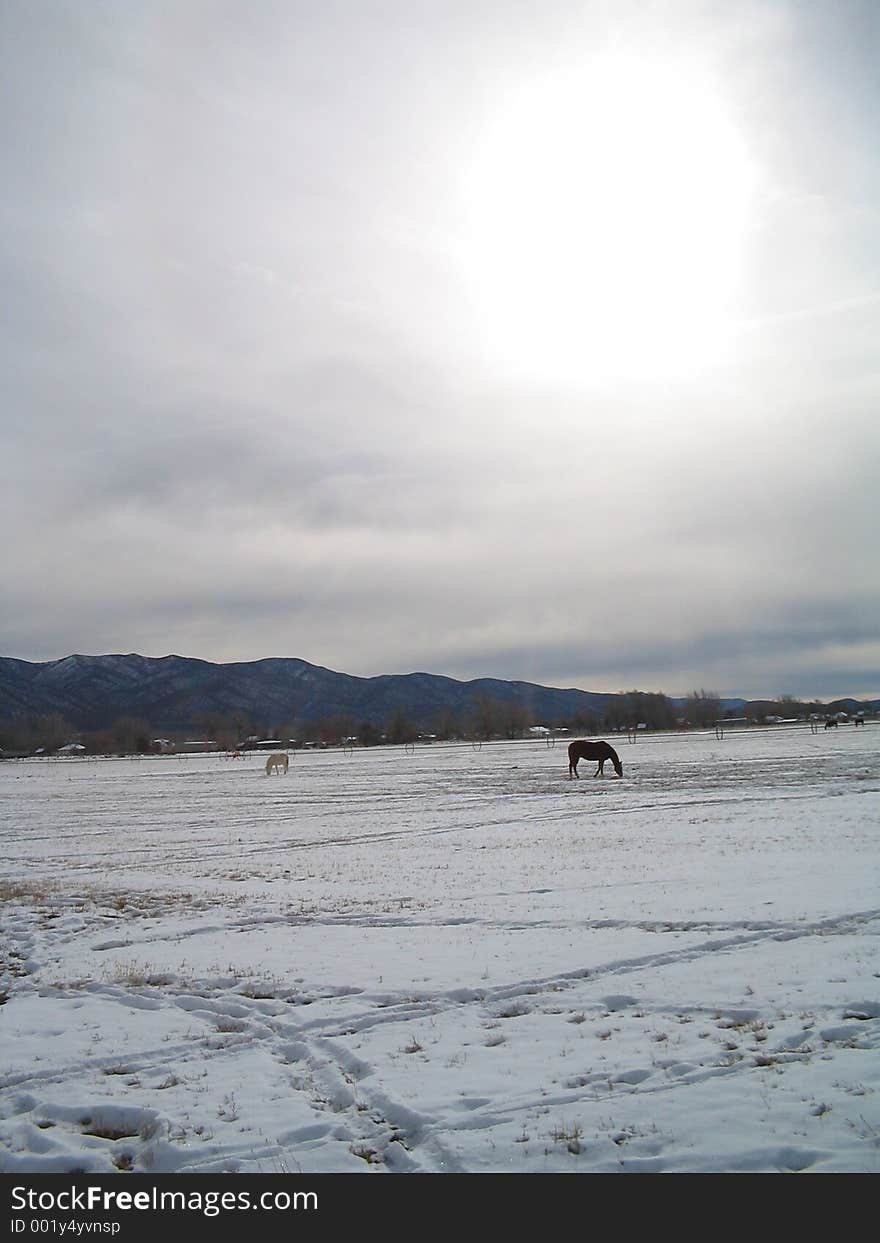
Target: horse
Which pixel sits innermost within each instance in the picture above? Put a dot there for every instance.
(601, 751)
(860, 720)
(831, 723)
(277, 763)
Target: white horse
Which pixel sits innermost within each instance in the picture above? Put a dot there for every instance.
(277, 763)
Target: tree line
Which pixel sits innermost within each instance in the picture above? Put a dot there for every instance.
(486, 718)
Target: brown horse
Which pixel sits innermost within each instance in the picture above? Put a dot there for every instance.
(601, 751)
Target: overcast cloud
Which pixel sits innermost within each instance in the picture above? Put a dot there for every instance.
(486, 339)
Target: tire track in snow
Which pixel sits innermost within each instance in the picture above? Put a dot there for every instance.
(389, 1008)
(376, 1125)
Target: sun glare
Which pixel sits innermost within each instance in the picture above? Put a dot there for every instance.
(607, 217)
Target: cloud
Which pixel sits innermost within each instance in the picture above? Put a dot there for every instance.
(248, 405)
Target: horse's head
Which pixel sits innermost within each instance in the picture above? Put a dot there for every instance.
(618, 767)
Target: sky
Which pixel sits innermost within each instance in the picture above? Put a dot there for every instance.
(209, 970)
(484, 339)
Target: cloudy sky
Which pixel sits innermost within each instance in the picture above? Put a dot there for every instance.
(486, 338)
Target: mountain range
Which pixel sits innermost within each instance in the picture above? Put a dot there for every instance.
(176, 693)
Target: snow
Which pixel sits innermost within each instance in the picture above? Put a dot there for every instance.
(445, 959)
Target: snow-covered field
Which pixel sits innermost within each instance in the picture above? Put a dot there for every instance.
(451, 960)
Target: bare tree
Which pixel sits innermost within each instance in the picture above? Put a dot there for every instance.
(515, 719)
(702, 708)
(447, 725)
(486, 716)
(400, 728)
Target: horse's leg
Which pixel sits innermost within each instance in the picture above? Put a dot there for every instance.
(600, 769)
(572, 769)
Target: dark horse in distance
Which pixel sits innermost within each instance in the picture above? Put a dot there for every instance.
(601, 751)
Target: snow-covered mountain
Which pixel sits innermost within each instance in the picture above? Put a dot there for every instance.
(176, 692)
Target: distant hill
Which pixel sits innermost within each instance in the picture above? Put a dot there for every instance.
(175, 693)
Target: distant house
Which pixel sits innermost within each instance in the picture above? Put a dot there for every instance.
(162, 745)
(71, 748)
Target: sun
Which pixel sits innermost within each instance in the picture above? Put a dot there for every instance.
(607, 214)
